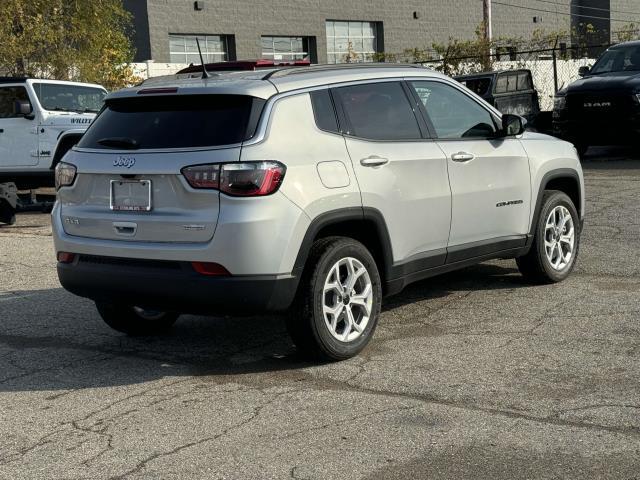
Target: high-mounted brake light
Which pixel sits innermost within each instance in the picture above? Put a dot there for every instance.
(246, 179)
(148, 91)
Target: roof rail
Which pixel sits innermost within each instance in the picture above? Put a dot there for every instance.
(283, 72)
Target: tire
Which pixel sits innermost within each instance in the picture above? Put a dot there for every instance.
(135, 321)
(545, 263)
(7, 213)
(315, 333)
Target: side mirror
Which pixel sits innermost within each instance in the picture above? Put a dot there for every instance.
(24, 108)
(512, 125)
(583, 71)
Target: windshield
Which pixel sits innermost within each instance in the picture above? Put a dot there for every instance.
(69, 98)
(625, 59)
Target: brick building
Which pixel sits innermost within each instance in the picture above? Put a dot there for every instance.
(165, 30)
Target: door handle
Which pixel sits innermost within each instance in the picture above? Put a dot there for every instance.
(1, 130)
(462, 157)
(373, 161)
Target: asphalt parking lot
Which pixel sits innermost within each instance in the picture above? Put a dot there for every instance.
(473, 374)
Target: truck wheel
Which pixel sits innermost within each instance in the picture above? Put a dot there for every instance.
(338, 302)
(556, 242)
(7, 213)
(135, 321)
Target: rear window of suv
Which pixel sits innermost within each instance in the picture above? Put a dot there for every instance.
(180, 121)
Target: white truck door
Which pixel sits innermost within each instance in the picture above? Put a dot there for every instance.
(18, 142)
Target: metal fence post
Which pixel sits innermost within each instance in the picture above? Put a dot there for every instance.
(554, 56)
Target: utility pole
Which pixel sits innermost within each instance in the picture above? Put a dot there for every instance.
(486, 18)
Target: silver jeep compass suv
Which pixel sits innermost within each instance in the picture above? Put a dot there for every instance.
(315, 191)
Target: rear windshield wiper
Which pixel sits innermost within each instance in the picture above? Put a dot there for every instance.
(119, 142)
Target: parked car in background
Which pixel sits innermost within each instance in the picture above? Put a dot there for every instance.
(510, 91)
(313, 190)
(603, 107)
(40, 120)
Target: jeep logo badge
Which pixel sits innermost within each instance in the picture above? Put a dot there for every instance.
(124, 162)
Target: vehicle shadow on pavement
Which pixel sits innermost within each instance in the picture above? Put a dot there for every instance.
(51, 340)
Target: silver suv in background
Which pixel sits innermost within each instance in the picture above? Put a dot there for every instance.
(314, 191)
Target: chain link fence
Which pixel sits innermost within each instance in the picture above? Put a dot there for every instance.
(552, 68)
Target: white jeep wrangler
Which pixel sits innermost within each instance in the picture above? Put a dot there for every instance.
(40, 120)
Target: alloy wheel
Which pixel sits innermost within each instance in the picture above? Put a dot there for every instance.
(559, 237)
(347, 299)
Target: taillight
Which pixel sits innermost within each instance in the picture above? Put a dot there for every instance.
(65, 174)
(202, 176)
(246, 179)
(251, 178)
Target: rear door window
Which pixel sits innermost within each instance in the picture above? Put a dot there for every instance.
(378, 111)
(179, 121)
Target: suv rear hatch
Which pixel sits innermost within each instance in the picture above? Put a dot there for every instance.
(129, 184)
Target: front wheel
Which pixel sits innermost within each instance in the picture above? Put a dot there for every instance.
(337, 307)
(556, 241)
(135, 321)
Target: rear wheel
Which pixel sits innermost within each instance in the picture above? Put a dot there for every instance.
(135, 320)
(7, 213)
(337, 307)
(556, 242)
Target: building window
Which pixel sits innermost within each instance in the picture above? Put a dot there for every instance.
(285, 48)
(351, 41)
(184, 49)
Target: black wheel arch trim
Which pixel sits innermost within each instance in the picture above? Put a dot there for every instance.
(334, 217)
(547, 177)
(63, 140)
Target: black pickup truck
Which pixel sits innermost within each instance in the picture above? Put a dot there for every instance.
(603, 107)
(510, 91)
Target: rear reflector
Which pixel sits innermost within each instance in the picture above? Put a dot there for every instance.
(66, 257)
(211, 269)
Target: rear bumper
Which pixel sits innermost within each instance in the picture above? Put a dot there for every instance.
(174, 286)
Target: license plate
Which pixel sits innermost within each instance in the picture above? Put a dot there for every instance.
(130, 195)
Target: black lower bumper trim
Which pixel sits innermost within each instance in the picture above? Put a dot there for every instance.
(176, 289)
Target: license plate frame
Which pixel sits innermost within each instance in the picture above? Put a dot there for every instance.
(141, 199)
